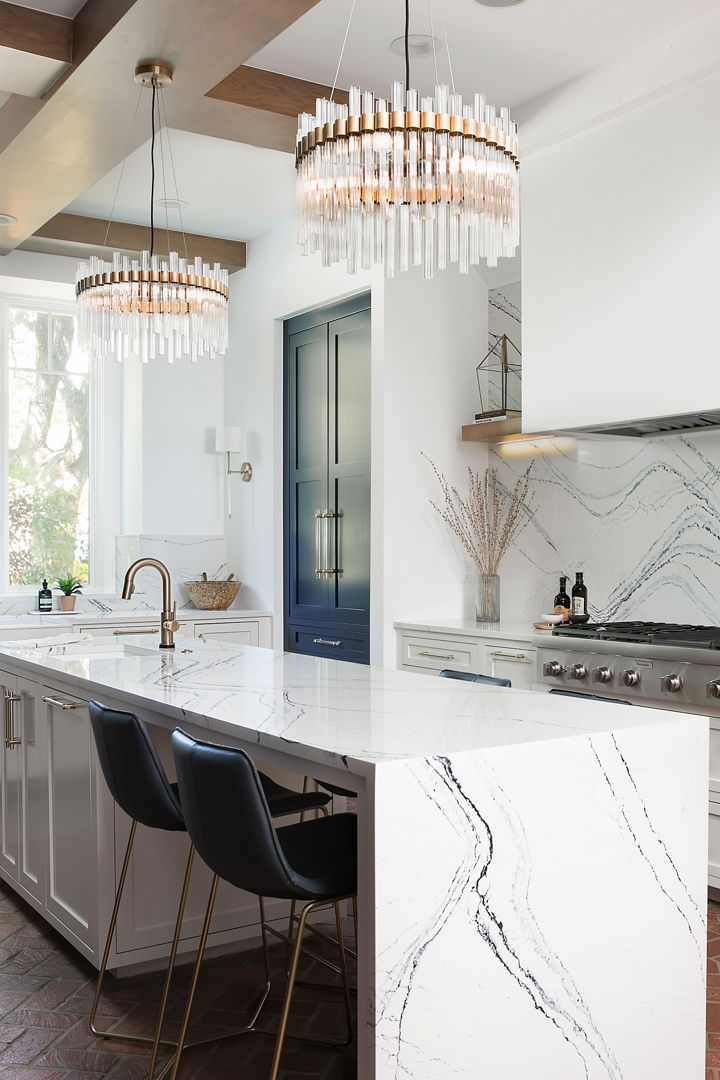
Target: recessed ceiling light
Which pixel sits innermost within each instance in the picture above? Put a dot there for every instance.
(170, 204)
(498, 3)
(7, 219)
(418, 45)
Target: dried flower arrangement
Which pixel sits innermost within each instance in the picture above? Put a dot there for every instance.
(489, 518)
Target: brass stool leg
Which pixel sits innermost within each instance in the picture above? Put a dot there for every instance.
(171, 961)
(111, 931)
(343, 966)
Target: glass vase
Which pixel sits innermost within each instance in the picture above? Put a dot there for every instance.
(487, 598)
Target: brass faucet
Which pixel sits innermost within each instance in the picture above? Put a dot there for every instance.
(168, 621)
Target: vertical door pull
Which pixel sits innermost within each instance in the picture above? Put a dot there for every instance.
(322, 542)
(11, 740)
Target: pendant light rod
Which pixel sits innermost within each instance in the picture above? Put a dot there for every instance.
(407, 45)
(152, 171)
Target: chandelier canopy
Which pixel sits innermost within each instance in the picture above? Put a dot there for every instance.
(152, 306)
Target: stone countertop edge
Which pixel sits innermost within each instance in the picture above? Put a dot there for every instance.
(144, 615)
(331, 712)
(509, 631)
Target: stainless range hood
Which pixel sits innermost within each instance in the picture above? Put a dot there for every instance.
(683, 424)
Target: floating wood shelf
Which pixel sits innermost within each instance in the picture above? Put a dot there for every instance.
(492, 430)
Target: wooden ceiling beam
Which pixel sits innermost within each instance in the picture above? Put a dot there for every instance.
(79, 236)
(266, 90)
(81, 131)
(36, 32)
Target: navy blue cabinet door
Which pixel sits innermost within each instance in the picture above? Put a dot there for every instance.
(327, 483)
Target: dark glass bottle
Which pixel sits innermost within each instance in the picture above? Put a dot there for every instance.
(45, 598)
(578, 604)
(562, 600)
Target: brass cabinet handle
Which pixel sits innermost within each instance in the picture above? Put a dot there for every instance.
(510, 655)
(438, 656)
(324, 641)
(154, 630)
(11, 740)
(62, 704)
(322, 543)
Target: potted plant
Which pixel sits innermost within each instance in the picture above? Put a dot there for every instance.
(69, 586)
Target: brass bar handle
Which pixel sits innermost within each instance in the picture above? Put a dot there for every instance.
(318, 527)
(510, 655)
(438, 656)
(322, 543)
(154, 630)
(325, 641)
(11, 740)
(61, 704)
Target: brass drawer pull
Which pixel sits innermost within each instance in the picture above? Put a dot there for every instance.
(438, 656)
(11, 740)
(62, 704)
(510, 655)
(324, 641)
(154, 630)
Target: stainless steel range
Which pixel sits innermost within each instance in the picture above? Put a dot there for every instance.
(671, 665)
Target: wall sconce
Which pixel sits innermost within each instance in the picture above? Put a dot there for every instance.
(228, 440)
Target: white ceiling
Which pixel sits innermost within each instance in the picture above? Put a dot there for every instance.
(514, 53)
(68, 8)
(26, 73)
(232, 190)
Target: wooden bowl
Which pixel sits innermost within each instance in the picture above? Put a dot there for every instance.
(212, 595)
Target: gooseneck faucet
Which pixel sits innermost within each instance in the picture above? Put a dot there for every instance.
(168, 622)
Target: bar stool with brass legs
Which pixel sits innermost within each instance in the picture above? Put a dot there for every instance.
(139, 785)
(229, 822)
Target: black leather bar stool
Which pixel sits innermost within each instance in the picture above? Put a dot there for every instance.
(229, 822)
(139, 785)
(469, 676)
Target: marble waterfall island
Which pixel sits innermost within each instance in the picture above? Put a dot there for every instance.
(532, 870)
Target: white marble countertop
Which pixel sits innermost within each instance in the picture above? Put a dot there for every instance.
(92, 616)
(346, 715)
(510, 631)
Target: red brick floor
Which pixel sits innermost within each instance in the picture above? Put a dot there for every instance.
(45, 994)
(46, 988)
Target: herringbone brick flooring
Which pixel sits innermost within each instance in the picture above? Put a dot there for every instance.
(46, 989)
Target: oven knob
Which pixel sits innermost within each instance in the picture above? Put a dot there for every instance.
(602, 674)
(713, 688)
(630, 678)
(578, 671)
(553, 667)
(671, 683)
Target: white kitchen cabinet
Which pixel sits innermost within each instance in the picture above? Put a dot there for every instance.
(71, 816)
(511, 660)
(250, 631)
(22, 788)
(461, 648)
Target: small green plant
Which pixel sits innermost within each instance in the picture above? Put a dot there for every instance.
(69, 585)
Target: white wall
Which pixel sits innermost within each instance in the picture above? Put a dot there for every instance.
(426, 339)
(620, 233)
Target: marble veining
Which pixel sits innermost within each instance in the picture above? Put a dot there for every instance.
(531, 868)
(186, 557)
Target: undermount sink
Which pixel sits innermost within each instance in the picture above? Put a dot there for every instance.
(83, 650)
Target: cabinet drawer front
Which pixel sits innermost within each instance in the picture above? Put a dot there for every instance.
(337, 645)
(511, 652)
(108, 629)
(439, 653)
(246, 633)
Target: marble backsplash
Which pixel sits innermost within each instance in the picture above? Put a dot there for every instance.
(640, 518)
(186, 557)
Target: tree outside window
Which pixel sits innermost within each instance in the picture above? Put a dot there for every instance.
(48, 447)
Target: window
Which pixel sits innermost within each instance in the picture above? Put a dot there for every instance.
(47, 452)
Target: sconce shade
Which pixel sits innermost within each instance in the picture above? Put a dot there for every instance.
(228, 440)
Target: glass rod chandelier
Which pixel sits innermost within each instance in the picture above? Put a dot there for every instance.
(407, 182)
(151, 306)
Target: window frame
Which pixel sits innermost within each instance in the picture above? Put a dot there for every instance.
(49, 305)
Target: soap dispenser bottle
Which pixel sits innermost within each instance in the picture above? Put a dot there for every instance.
(45, 598)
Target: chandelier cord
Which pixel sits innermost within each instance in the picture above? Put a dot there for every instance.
(447, 49)
(174, 175)
(152, 169)
(162, 170)
(434, 43)
(122, 170)
(407, 45)
(342, 51)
